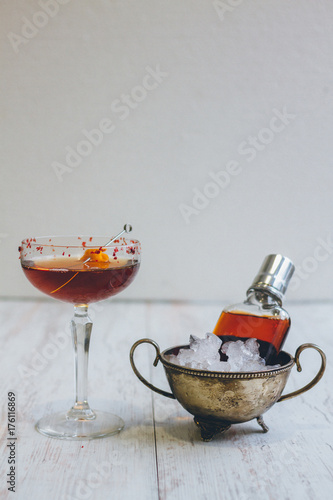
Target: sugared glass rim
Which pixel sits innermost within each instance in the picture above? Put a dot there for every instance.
(38, 241)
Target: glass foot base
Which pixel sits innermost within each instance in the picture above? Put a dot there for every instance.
(60, 426)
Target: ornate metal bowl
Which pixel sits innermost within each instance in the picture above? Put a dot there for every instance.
(219, 399)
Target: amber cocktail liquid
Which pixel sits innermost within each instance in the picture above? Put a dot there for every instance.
(68, 279)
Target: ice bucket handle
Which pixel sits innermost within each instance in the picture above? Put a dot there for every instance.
(315, 380)
(138, 374)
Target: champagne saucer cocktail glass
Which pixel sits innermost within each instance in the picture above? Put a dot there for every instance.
(80, 270)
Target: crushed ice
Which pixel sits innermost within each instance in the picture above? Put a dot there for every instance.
(203, 354)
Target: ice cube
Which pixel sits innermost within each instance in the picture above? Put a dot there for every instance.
(203, 354)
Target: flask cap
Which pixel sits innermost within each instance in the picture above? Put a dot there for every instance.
(274, 275)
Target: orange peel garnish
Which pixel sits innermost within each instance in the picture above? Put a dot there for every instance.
(97, 257)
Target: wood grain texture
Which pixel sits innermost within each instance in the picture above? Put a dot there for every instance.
(159, 454)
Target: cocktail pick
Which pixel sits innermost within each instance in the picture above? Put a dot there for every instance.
(127, 229)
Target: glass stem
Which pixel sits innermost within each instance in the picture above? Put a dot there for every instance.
(81, 326)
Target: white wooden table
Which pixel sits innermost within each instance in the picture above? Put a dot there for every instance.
(159, 454)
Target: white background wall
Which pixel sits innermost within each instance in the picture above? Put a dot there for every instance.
(227, 72)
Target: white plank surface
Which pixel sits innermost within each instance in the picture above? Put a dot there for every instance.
(159, 454)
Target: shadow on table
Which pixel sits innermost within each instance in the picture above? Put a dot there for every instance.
(184, 429)
(174, 423)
